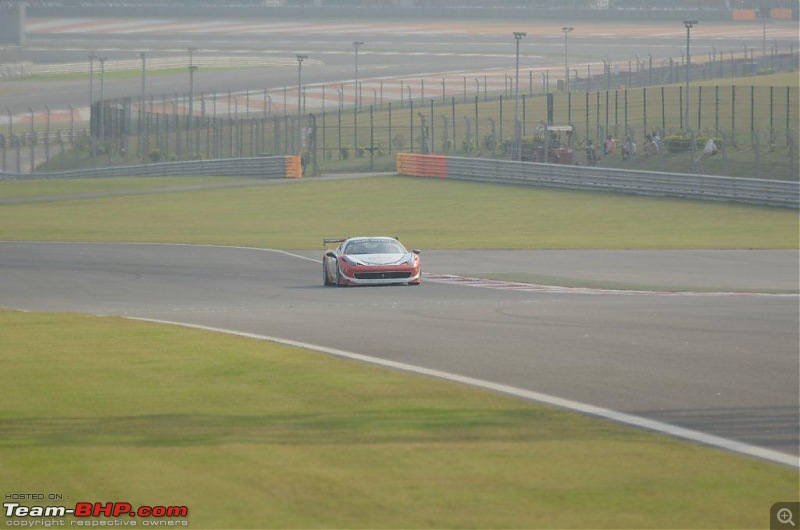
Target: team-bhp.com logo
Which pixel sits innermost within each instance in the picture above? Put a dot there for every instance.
(86, 512)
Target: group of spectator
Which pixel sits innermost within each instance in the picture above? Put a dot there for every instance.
(652, 146)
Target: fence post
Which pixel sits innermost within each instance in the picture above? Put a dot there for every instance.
(477, 136)
(625, 94)
(371, 139)
(501, 118)
(771, 124)
(453, 119)
(699, 107)
(569, 107)
(644, 109)
(733, 115)
(411, 126)
(752, 109)
(587, 117)
(390, 127)
(355, 130)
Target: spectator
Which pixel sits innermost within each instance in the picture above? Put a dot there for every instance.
(657, 141)
(591, 154)
(610, 146)
(628, 148)
(650, 147)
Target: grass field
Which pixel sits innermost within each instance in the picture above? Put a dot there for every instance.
(250, 434)
(425, 213)
(258, 435)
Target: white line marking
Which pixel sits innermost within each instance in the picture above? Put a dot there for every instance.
(619, 417)
(465, 281)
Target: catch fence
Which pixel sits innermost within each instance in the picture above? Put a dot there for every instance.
(754, 126)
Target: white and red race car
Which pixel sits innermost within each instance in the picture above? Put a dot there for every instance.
(370, 261)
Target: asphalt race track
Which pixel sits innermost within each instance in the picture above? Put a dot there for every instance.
(725, 364)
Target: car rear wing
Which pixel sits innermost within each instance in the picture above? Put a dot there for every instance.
(326, 241)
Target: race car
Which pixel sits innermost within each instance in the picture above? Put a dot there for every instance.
(370, 261)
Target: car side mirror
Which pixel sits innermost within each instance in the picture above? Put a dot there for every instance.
(416, 251)
(331, 254)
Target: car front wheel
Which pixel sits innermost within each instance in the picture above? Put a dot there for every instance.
(325, 281)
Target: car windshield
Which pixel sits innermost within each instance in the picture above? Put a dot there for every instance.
(375, 246)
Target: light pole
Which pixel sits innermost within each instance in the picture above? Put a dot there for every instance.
(300, 59)
(143, 57)
(92, 57)
(356, 46)
(102, 98)
(92, 136)
(566, 31)
(192, 69)
(299, 134)
(518, 35)
(689, 24)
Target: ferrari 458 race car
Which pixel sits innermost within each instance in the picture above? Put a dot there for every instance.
(370, 261)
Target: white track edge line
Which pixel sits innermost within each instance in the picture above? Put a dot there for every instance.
(619, 417)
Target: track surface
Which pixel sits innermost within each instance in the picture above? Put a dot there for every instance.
(726, 365)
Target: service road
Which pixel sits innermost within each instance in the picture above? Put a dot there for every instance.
(723, 364)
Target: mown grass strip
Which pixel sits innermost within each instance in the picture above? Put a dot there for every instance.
(425, 213)
(107, 408)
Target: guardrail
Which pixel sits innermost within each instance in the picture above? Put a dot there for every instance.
(22, 139)
(256, 167)
(750, 191)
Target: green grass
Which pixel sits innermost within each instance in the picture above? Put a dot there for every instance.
(250, 434)
(425, 213)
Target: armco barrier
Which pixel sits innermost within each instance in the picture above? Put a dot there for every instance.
(751, 191)
(256, 167)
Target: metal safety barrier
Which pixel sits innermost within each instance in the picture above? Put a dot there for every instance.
(750, 191)
(256, 167)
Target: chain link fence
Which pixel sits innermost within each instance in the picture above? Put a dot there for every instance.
(753, 128)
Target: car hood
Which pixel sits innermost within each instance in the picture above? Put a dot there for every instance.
(379, 259)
